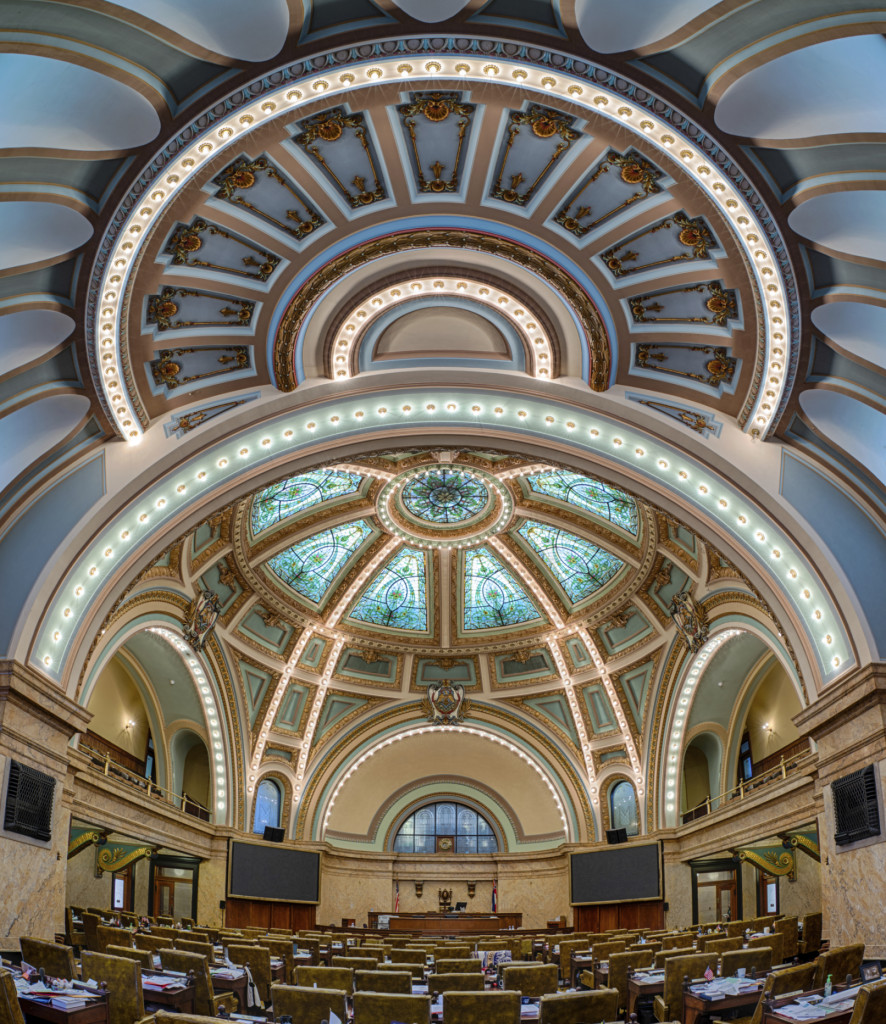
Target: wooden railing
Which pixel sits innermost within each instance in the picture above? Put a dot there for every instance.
(102, 761)
(788, 763)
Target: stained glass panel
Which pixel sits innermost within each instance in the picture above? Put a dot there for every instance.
(279, 501)
(591, 495)
(623, 808)
(311, 566)
(444, 496)
(579, 566)
(492, 596)
(397, 596)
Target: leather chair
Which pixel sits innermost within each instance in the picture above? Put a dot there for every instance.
(669, 1005)
(384, 1008)
(74, 934)
(308, 1004)
(161, 919)
(870, 1005)
(567, 948)
(722, 946)
(282, 949)
(143, 957)
(416, 970)
(206, 1002)
(534, 981)
(126, 1003)
(258, 960)
(55, 959)
(838, 962)
(481, 1007)
(676, 941)
(786, 927)
(152, 942)
(663, 955)
(760, 960)
(619, 965)
(810, 944)
(602, 950)
(410, 956)
(108, 936)
(458, 966)
(453, 951)
(398, 982)
(10, 1010)
(326, 977)
(471, 982)
(311, 945)
(90, 930)
(774, 941)
(190, 946)
(577, 1007)
(357, 963)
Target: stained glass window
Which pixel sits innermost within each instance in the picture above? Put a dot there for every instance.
(588, 494)
(445, 496)
(470, 831)
(492, 596)
(279, 501)
(623, 808)
(311, 565)
(267, 806)
(579, 566)
(396, 597)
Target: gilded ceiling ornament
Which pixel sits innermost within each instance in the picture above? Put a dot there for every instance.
(634, 170)
(436, 107)
(543, 123)
(692, 233)
(186, 241)
(203, 614)
(163, 308)
(329, 127)
(250, 176)
(690, 620)
(445, 703)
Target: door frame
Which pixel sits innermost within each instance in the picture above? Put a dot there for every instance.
(720, 864)
(165, 860)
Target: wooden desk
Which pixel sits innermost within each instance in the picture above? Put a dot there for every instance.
(179, 1000)
(638, 990)
(235, 985)
(697, 1008)
(579, 962)
(772, 1016)
(448, 924)
(36, 1011)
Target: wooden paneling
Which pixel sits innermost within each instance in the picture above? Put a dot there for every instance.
(240, 913)
(599, 918)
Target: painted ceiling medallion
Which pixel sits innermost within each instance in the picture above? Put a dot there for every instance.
(445, 506)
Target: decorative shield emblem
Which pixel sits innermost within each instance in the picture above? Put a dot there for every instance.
(202, 616)
(445, 703)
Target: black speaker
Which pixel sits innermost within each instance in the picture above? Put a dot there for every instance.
(616, 835)
(856, 808)
(273, 835)
(29, 796)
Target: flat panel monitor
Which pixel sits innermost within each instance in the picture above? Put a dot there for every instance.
(619, 874)
(267, 871)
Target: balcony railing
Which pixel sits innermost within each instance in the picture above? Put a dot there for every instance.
(101, 761)
(788, 764)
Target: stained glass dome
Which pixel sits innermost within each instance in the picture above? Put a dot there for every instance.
(443, 550)
(445, 496)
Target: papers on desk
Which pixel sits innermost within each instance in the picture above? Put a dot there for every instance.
(529, 1011)
(162, 983)
(657, 974)
(227, 973)
(419, 990)
(720, 988)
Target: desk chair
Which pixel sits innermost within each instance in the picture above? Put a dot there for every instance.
(722, 946)
(619, 965)
(162, 919)
(126, 1003)
(326, 977)
(90, 930)
(308, 1004)
(786, 927)
(258, 960)
(410, 956)
(57, 960)
(534, 981)
(458, 966)
(669, 1005)
(577, 1007)
(74, 934)
(472, 982)
(281, 948)
(810, 944)
(416, 970)
(357, 963)
(143, 957)
(206, 1002)
(10, 1010)
(760, 960)
(152, 942)
(838, 962)
(603, 950)
(397, 982)
(663, 955)
(870, 1005)
(385, 1008)
(190, 946)
(567, 948)
(774, 941)
(311, 945)
(481, 1007)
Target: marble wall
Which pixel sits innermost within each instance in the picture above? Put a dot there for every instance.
(82, 888)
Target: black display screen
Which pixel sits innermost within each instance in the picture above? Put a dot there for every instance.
(623, 872)
(262, 871)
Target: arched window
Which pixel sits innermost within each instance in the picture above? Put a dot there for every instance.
(449, 827)
(623, 808)
(267, 806)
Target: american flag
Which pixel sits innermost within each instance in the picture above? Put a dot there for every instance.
(708, 973)
(396, 897)
(494, 895)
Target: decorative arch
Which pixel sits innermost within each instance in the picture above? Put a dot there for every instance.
(606, 787)
(284, 783)
(432, 799)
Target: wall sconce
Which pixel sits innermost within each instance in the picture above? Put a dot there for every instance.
(472, 890)
(419, 889)
(129, 725)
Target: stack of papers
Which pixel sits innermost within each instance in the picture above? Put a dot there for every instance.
(159, 983)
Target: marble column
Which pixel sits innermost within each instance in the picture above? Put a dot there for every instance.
(848, 723)
(37, 722)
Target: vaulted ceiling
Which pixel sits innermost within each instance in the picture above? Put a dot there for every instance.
(443, 337)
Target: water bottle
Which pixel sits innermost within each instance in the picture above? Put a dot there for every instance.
(828, 987)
